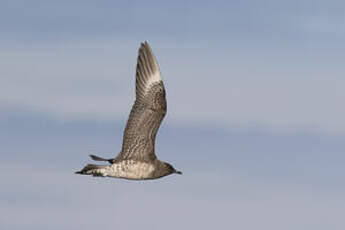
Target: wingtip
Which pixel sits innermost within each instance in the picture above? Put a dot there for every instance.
(144, 44)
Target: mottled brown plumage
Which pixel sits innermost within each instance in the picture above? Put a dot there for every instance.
(137, 159)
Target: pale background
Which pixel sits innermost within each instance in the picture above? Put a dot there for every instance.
(255, 118)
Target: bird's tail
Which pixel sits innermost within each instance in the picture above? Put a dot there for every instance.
(97, 158)
(94, 170)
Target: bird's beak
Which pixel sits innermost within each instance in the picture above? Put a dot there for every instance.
(178, 172)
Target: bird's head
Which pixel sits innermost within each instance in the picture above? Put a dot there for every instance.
(171, 169)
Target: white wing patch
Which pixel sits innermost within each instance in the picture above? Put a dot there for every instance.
(147, 73)
(156, 77)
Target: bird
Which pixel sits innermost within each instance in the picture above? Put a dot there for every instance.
(137, 159)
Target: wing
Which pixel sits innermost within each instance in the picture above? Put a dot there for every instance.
(147, 112)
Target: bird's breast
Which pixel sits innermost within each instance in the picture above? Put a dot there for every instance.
(131, 169)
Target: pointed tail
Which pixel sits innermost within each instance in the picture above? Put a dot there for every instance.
(97, 158)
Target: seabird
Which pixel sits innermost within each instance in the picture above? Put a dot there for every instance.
(137, 159)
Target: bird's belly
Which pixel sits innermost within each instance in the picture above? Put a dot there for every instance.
(130, 169)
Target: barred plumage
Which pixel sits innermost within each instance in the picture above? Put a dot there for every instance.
(137, 159)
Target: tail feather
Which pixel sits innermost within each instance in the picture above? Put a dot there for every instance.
(97, 158)
(95, 170)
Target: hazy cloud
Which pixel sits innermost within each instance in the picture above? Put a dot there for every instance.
(255, 113)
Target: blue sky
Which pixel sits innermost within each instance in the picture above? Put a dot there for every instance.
(255, 118)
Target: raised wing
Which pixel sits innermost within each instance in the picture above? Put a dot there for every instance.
(147, 112)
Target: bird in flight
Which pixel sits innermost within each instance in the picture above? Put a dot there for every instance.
(137, 159)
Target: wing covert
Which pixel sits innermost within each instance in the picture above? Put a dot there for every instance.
(148, 110)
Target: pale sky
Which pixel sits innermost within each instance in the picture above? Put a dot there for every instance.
(255, 120)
